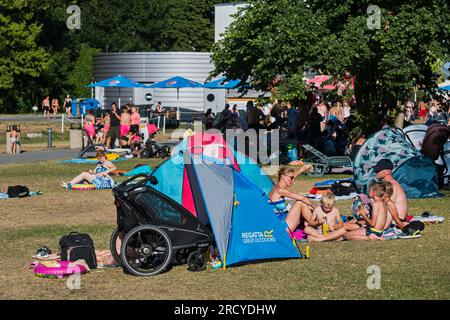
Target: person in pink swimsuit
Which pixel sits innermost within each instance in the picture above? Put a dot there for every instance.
(125, 123)
(135, 119)
(89, 124)
(106, 123)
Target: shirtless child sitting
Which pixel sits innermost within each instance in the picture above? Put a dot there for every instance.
(376, 222)
(393, 219)
(326, 214)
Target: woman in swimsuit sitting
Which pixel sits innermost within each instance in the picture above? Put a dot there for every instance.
(99, 176)
(302, 207)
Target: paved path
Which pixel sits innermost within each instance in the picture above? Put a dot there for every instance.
(55, 154)
(32, 118)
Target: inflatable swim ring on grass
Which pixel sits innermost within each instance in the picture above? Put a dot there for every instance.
(83, 186)
(58, 269)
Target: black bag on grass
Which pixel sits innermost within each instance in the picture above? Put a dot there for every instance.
(343, 188)
(18, 191)
(75, 246)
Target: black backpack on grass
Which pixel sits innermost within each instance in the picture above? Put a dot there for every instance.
(75, 246)
(343, 188)
(18, 191)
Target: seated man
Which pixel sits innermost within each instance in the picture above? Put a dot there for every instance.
(375, 223)
(326, 215)
(291, 215)
(384, 169)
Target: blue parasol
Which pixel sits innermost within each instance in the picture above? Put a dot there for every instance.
(222, 83)
(176, 83)
(118, 82)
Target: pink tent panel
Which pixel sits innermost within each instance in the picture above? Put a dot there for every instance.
(211, 145)
(187, 198)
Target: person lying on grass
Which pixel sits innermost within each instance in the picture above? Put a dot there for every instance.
(99, 176)
(326, 214)
(374, 228)
(291, 215)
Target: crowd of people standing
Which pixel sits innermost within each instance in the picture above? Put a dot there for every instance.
(322, 124)
(122, 125)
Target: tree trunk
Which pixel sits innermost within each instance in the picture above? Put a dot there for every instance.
(399, 120)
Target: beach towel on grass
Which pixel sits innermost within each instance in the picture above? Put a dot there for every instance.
(331, 182)
(139, 169)
(431, 219)
(317, 197)
(93, 161)
(32, 193)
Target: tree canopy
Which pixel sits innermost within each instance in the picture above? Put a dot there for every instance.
(281, 39)
(40, 55)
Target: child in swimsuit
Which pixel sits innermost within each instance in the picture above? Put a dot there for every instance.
(375, 224)
(14, 138)
(326, 214)
(89, 124)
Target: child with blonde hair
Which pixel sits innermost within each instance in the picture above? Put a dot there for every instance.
(375, 222)
(329, 216)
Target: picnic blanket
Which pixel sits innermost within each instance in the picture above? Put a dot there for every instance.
(317, 197)
(87, 187)
(139, 169)
(331, 182)
(431, 219)
(32, 193)
(93, 161)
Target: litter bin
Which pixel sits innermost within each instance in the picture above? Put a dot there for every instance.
(10, 128)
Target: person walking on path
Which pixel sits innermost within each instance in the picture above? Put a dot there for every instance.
(46, 107)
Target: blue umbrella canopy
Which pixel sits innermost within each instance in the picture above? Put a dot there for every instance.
(176, 83)
(222, 83)
(118, 82)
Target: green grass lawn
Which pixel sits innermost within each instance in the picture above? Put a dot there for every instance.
(410, 269)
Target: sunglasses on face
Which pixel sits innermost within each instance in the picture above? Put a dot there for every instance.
(291, 177)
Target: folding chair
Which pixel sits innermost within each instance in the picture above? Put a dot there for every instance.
(90, 150)
(322, 163)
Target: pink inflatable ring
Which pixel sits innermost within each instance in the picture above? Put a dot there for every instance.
(61, 271)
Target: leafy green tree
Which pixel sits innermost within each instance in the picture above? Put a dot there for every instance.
(148, 25)
(285, 37)
(82, 73)
(40, 55)
(21, 58)
(188, 32)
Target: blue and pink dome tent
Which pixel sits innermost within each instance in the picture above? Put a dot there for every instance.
(228, 192)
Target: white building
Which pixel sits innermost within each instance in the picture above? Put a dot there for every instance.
(151, 67)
